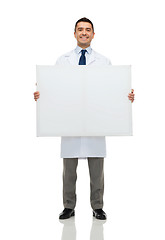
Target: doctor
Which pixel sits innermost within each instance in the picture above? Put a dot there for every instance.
(92, 148)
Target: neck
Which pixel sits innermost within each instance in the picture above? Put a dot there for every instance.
(83, 46)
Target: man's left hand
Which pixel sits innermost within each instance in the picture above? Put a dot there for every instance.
(131, 95)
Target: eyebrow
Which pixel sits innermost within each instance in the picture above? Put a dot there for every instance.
(80, 28)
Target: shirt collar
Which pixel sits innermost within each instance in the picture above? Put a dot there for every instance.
(78, 49)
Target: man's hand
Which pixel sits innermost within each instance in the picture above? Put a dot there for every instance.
(36, 95)
(131, 95)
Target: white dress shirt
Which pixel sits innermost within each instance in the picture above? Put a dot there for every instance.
(83, 147)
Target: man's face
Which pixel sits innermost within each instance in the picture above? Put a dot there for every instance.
(84, 34)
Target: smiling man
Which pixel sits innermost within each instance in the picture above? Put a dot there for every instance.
(91, 148)
(84, 33)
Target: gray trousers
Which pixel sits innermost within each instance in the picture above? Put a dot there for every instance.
(96, 172)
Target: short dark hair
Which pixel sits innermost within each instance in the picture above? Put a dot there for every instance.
(84, 19)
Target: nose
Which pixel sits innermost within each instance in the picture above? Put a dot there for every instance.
(84, 32)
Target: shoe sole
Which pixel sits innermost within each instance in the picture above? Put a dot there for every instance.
(72, 215)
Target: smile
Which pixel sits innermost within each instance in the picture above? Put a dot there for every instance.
(84, 37)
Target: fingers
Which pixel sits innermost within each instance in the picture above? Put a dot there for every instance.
(131, 99)
(36, 95)
(131, 95)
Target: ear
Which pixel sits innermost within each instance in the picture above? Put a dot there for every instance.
(75, 34)
(93, 35)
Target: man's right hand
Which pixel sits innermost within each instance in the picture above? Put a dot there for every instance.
(36, 95)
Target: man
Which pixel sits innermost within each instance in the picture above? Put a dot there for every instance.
(92, 148)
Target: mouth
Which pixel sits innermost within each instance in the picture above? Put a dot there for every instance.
(84, 38)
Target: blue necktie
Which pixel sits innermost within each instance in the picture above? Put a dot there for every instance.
(82, 60)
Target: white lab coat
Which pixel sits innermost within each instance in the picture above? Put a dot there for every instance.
(83, 147)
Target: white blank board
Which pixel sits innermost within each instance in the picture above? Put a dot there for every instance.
(84, 101)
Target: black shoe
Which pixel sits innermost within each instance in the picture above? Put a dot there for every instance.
(66, 213)
(99, 214)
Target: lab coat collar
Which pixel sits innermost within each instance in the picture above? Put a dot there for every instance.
(72, 56)
(78, 50)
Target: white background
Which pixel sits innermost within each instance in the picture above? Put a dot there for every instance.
(37, 32)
